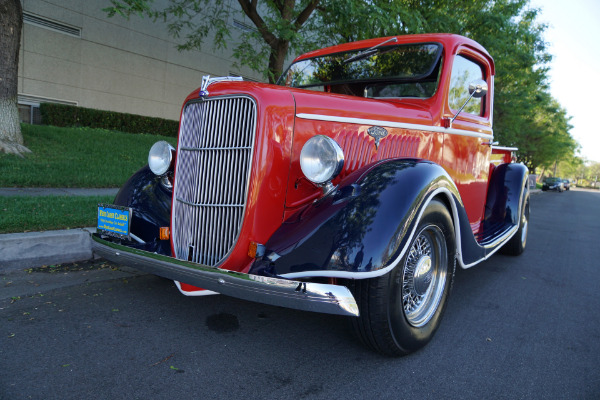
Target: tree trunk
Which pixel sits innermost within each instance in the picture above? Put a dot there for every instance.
(11, 23)
(277, 58)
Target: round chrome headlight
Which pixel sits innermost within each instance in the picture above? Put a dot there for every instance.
(160, 157)
(321, 159)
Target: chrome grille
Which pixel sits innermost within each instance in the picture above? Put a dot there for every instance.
(214, 155)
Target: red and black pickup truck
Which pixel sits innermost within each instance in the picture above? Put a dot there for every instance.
(354, 186)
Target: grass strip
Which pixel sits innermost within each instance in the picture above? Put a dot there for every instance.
(42, 213)
(76, 157)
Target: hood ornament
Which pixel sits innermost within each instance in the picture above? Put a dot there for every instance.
(377, 133)
(207, 81)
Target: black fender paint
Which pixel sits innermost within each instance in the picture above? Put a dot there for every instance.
(362, 227)
(505, 195)
(366, 223)
(151, 205)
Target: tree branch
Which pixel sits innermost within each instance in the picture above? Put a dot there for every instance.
(250, 11)
(305, 14)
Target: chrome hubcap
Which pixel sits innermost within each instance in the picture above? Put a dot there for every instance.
(424, 276)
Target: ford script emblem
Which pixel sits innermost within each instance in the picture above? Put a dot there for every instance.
(377, 133)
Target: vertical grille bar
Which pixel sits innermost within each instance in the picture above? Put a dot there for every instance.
(214, 155)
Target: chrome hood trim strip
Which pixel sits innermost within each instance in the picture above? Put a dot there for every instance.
(390, 124)
(317, 297)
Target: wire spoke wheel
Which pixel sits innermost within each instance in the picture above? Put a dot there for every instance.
(401, 310)
(424, 275)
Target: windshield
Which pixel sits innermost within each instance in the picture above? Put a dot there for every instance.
(411, 63)
(553, 180)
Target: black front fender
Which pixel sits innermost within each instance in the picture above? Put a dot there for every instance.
(151, 205)
(362, 228)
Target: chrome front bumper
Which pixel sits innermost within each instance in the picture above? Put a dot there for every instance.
(317, 297)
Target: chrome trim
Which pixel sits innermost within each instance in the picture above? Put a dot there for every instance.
(490, 143)
(339, 158)
(502, 238)
(164, 180)
(477, 89)
(377, 133)
(494, 147)
(207, 81)
(137, 239)
(212, 177)
(390, 124)
(317, 297)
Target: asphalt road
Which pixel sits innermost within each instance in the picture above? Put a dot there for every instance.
(523, 327)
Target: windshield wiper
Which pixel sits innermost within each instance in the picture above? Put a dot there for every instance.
(368, 52)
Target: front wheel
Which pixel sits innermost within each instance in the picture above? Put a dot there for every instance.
(401, 310)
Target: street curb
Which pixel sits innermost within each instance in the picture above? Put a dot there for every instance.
(34, 249)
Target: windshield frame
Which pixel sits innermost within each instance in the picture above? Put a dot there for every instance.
(380, 50)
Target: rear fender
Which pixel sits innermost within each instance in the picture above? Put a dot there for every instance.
(362, 230)
(508, 185)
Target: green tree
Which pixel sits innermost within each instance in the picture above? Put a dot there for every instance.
(570, 168)
(525, 114)
(279, 25)
(283, 27)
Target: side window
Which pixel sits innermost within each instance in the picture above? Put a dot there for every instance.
(464, 71)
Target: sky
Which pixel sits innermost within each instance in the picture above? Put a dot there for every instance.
(573, 36)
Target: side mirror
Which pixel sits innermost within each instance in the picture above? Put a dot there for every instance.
(478, 88)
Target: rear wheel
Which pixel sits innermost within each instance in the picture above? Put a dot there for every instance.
(401, 310)
(516, 245)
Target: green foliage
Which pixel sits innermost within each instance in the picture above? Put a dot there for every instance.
(73, 116)
(525, 115)
(41, 213)
(283, 28)
(76, 157)
(589, 173)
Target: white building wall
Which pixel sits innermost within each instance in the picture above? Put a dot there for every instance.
(116, 64)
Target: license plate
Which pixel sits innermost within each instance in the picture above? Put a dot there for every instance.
(114, 220)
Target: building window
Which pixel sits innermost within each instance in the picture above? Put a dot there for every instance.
(29, 107)
(47, 23)
(30, 113)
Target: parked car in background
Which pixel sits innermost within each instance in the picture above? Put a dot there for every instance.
(567, 184)
(553, 184)
(355, 186)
